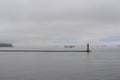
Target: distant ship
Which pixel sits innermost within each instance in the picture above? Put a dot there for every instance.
(5, 45)
(69, 46)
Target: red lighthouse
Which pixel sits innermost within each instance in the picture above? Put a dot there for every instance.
(88, 48)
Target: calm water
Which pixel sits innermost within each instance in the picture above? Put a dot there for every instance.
(98, 65)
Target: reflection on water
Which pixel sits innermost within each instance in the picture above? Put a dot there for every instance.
(97, 65)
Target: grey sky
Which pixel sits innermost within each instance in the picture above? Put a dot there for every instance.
(39, 22)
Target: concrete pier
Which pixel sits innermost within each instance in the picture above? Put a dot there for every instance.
(44, 51)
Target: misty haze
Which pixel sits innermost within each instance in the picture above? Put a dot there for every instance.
(59, 39)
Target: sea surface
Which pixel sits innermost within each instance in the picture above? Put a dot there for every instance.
(100, 64)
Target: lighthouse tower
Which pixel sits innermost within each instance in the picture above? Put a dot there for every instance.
(88, 48)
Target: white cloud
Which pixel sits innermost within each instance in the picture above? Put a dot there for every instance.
(42, 22)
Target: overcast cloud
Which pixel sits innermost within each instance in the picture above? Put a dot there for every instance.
(55, 22)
